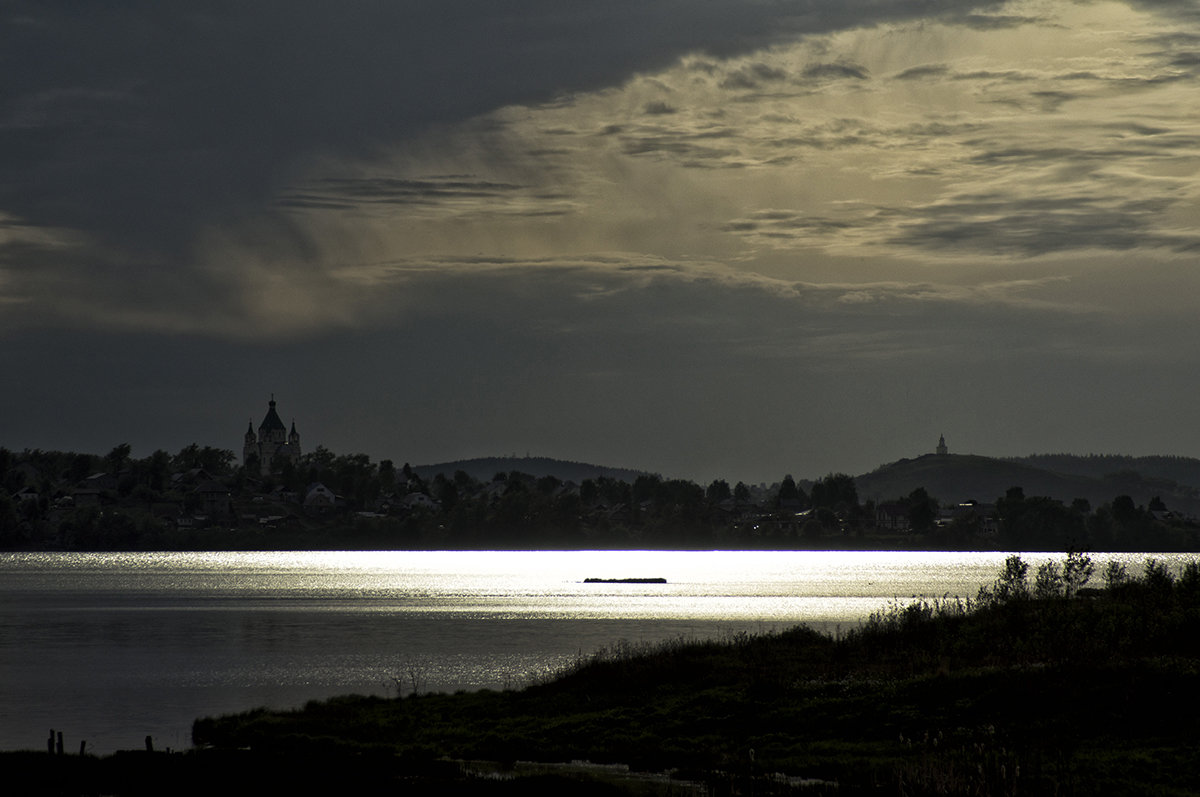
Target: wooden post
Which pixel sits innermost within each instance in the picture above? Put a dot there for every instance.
(83, 746)
(50, 743)
(149, 744)
(58, 746)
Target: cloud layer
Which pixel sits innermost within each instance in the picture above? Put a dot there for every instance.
(708, 238)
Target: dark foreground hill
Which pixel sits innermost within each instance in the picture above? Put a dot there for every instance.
(1015, 694)
(952, 478)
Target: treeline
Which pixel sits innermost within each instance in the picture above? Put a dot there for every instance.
(1026, 523)
(38, 490)
(1169, 475)
(166, 501)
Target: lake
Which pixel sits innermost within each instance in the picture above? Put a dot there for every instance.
(112, 647)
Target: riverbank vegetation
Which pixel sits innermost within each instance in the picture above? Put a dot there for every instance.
(198, 499)
(1060, 681)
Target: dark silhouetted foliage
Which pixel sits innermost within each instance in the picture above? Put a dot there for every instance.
(1009, 693)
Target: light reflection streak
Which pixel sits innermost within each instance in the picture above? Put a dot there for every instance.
(793, 586)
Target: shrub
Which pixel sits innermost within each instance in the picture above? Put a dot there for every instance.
(1012, 585)
(1077, 570)
(1157, 577)
(1115, 575)
(1048, 582)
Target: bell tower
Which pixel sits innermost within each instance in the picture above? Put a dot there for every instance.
(250, 445)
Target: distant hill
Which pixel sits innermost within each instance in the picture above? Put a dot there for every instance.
(948, 477)
(1173, 472)
(484, 468)
(958, 477)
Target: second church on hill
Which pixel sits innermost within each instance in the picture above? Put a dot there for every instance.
(273, 445)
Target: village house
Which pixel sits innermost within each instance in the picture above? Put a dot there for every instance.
(319, 499)
(983, 515)
(892, 515)
(215, 500)
(418, 500)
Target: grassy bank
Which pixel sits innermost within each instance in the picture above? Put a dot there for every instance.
(1036, 686)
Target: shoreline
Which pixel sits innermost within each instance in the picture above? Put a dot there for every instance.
(830, 545)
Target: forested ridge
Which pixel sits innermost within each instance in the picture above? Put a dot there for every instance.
(201, 498)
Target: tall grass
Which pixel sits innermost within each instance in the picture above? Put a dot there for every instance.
(1034, 685)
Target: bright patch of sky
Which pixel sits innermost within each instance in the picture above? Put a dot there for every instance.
(1021, 155)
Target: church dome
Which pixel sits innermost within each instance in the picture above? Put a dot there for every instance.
(272, 422)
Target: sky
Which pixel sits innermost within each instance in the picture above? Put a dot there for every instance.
(704, 238)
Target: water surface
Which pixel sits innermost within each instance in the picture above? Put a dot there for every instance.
(110, 647)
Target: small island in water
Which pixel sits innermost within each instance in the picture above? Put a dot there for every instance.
(656, 580)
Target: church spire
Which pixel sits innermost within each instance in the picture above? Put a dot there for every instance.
(273, 443)
(271, 422)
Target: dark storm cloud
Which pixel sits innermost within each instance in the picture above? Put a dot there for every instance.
(835, 72)
(991, 225)
(1185, 10)
(1190, 59)
(142, 122)
(785, 224)
(924, 71)
(345, 193)
(1147, 142)
(996, 21)
(1176, 39)
(753, 76)
(1051, 101)
(692, 148)
(1032, 226)
(1179, 54)
(1009, 75)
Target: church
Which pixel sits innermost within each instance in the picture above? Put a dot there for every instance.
(273, 444)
